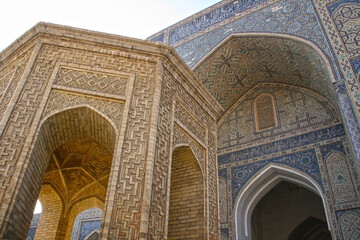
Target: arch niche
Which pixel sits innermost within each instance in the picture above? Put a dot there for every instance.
(259, 186)
(72, 156)
(186, 204)
(248, 62)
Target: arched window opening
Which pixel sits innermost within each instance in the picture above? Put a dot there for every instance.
(265, 112)
(87, 224)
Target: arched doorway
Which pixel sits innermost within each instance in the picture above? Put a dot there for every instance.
(86, 224)
(277, 92)
(279, 179)
(70, 163)
(289, 212)
(186, 207)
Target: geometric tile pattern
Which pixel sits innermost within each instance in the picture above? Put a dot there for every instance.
(278, 146)
(88, 228)
(86, 222)
(226, 11)
(230, 72)
(349, 117)
(279, 18)
(212, 16)
(355, 64)
(240, 63)
(295, 109)
(224, 234)
(305, 161)
(326, 12)
(345, 14)
(350, 225)
(223, 237)
(340, 178)
(91, 81)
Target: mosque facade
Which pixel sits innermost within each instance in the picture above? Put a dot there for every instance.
(239, 122)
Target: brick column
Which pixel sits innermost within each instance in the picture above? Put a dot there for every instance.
(51, 215)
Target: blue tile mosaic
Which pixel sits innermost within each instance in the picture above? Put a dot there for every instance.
(345, 15)
(339, 214)
(304, 161)
(327, 149)
(86, 222)
(281, 145)
(333, 6)
(223, 173)
(33, 226)
(88, 227)
(225, 231)
(217, 15)
(349, 224)
(297, 18)
(31, 233)
(349, 117)
(355, 64)
(159, 38)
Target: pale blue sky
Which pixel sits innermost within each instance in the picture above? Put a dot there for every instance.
(136, 18)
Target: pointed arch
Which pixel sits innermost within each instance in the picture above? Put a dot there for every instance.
(192, 150)
(187, 194)
(309, 43)
(91, 208)
(261, 184)
(83, 124)
(55, 112)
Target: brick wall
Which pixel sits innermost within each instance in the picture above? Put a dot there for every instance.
(186, 213)
(50, 217)
(106, 89)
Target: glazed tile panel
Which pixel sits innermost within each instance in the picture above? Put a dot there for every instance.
(281, 145)
(217, 15)
(305, 162)
(295, 110)
(296, 18)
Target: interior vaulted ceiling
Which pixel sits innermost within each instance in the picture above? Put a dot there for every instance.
(241, 62)
(77, 166)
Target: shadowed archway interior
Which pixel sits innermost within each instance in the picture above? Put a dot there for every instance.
(76, 147)
(289, 212)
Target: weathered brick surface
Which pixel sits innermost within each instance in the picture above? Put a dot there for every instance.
(84, 118)
(186, 211)
(51, 215)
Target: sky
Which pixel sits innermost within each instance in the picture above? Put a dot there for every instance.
(131, 18)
